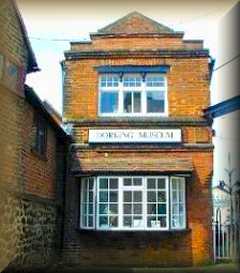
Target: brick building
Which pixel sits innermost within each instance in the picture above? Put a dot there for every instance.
(32, 157)
(138, 186)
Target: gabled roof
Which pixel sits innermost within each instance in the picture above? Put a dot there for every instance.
(32, 65)
(33, 99)
(135, 23)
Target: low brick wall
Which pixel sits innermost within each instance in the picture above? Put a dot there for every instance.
(130, 249)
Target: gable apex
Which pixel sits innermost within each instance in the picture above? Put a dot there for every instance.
(135, 23)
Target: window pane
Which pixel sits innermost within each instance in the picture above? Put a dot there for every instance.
(84, 221)
(181, 221)
(162, 220)
(109, 81)
(137, 209)
(84, 194)
(91, 181)
(113, 209)
(132, 81)
(137, 181)
(1, 65)
(181, 196)
(109, 102)
(103, 221)
(152, 222)
(113, 196)
(90, 197)
(151, 208)
(161, 209)
(127, 196)
(103, 196)
(155, 102)
(174, 183)
(161, 183)
(161, 196)
(127, 209)
(103, 208)
(178, 203)
(132, 102)
(87, 203)
(84, 208)
(138, 222)
(90, 208)
(155, 81)
(127, 181)
(127, 102)
(175, 209)
(174, 196)
(136, 102)
(127, 221)
(113, 221)
(175, 221)
(181, 208)
(103, 183)
(137, 196)
(90, 221)
(151, 183)
(113, 183)
(151, 196)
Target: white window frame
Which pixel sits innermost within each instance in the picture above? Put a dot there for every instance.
(94, 203)
(143, 188)
(143, 89)
(97, 203)
(155, 89)
(182, 179)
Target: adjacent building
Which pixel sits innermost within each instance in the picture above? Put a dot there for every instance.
(32, 158)
(138, 187)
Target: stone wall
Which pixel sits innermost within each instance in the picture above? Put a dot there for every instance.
(28, 231)
(12, 50)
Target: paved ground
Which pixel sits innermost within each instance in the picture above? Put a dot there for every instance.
(219, 268)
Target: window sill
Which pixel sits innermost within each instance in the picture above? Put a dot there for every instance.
(172, 231)
(38, 155)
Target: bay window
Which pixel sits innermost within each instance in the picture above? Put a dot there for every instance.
(133, 203)
(132, 94)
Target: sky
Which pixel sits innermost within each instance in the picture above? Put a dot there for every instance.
(52, 24)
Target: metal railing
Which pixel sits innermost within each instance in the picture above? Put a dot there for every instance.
(226, 239)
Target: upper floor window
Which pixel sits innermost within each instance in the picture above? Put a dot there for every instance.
(40, 145)
(133, 95)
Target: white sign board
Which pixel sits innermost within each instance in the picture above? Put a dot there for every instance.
(135, 136)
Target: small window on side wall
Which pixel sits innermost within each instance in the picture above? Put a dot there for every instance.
(1, 66)
(40, 143)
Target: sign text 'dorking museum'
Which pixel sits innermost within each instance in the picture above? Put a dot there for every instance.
(135, 136)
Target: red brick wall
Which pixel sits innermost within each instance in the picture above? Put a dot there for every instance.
(39, 173)
(188, 85)
(192, 246)
(128, 42)
(13, 49)
(188, 95)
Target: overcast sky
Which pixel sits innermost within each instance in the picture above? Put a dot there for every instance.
(51, 24)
